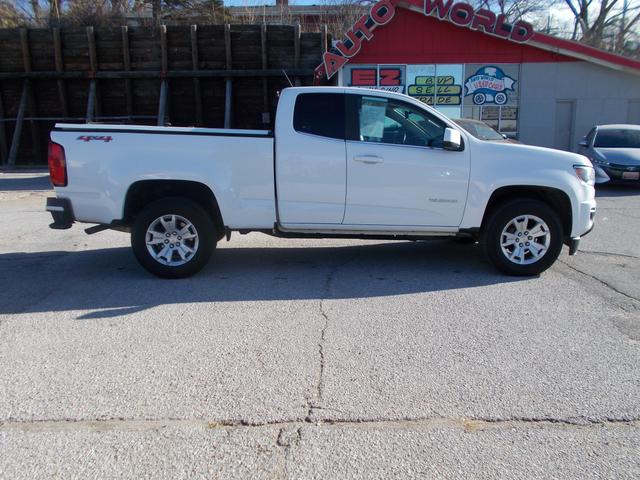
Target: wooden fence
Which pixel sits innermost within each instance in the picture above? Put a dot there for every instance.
(206, 75)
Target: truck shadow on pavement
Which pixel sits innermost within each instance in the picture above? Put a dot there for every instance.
(109, 282)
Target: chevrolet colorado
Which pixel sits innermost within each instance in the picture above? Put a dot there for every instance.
(341, 162)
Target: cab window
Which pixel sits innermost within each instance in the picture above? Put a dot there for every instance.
(320, 114)
(383, 120)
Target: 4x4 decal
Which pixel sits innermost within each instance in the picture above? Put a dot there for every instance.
(89, 138)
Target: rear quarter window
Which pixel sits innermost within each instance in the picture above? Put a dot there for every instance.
(320, 114)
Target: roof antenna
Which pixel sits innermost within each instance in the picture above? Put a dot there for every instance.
(287, 76)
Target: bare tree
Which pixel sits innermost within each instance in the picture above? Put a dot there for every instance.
(629, 23)
(180, 10)
(10, 16)
(88, 12)
(118, 5)
(35, 7)
(55, 9)
(513, 9)
(604, 23)
(340, 15)
(114, 12)
(252, 14)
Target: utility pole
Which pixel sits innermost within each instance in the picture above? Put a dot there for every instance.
(156, 7)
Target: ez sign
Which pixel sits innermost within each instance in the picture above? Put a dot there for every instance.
(383, 78)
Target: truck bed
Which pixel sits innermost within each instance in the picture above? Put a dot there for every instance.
(104, 160)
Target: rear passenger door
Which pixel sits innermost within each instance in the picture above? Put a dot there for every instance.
(311, 171)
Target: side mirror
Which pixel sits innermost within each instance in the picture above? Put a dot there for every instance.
(583, 143)
(452, 139)
(504, 135)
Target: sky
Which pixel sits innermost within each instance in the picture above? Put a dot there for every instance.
(235, 3)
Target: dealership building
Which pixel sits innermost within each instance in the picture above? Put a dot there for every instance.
(534, 87)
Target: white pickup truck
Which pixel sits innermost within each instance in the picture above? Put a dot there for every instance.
(342, 162)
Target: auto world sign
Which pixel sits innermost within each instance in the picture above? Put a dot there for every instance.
(463, 15)
(383, 11)
(380, 13)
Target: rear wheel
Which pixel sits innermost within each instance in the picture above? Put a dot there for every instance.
(173, 237)
(523, 237)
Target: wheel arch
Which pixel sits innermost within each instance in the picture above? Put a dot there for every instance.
(143, 192)
(555, 198)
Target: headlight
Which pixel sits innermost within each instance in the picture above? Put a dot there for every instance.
(586, 174)
(600, 158)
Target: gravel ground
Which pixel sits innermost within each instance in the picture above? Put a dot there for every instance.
(315, 358)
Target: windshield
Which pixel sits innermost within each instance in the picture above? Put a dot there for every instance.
(480, 130)
(618, 138)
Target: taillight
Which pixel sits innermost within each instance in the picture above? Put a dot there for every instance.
(57, 165)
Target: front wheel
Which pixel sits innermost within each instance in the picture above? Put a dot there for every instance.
(173, 237)
(523, 237)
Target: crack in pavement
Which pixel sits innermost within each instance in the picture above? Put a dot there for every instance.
(290, 430)
(315, 403)
(599, 280)
(609, 254)
(286, 439)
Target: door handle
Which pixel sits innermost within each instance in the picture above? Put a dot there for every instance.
(369, 159)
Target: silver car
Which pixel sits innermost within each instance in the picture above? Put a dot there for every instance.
(483, 131)
(614, 151)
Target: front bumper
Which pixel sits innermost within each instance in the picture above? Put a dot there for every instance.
(61, 211)
(588, 211)
(574, 242)
(617, 172)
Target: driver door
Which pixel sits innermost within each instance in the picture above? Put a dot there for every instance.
(398, 174)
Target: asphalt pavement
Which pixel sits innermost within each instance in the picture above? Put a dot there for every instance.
(310, 359)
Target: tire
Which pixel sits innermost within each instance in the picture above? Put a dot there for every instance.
(543, 229)
(171, 256)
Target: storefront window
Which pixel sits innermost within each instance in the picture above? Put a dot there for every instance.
(508, 120)
(501, 118)
(487, 92)
(437, 85)
(491, 95)
(491, 116)
(471, 112)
